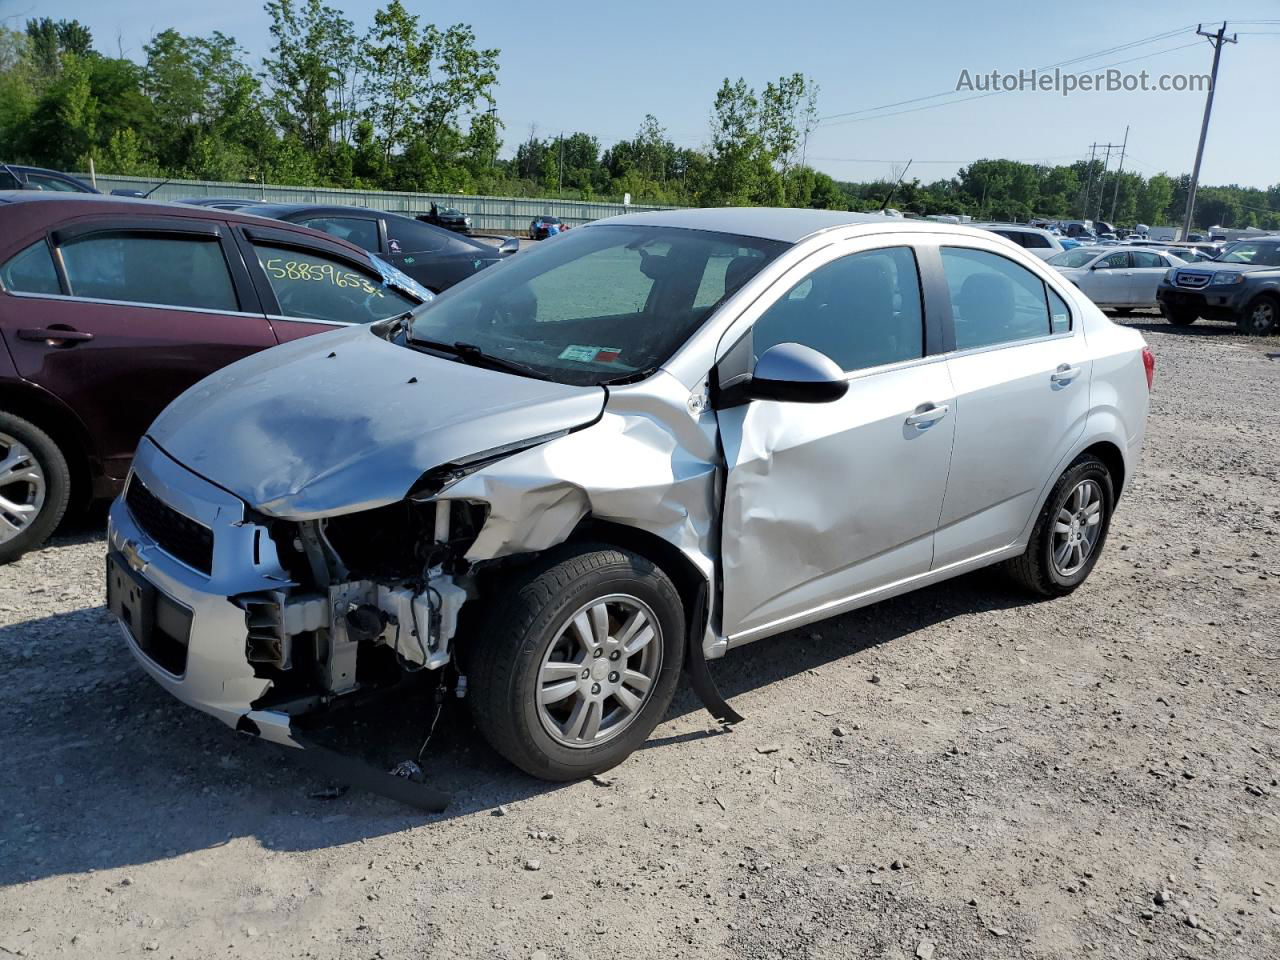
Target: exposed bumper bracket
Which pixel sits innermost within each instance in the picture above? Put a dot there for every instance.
(348, 770)
(695, 665)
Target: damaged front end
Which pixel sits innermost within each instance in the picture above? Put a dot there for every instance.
(373, 596)
(273, 619)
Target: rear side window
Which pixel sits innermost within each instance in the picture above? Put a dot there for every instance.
(1145, 258)
(1035, 241)
(413, 236)
(993, 299)
(363, 233)
(150, 268)
(1059, 313)
(862, 311)
(311, 286)
(31, 271)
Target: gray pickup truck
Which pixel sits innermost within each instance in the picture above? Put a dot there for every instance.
(1242, 285)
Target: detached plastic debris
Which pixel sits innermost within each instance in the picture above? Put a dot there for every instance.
(408, 770)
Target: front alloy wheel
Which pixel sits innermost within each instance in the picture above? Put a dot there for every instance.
(576, 661)
(1260, 317)
(600, 670)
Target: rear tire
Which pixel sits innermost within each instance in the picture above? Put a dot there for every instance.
(1180, 316)
(35, 486)
(561, 703)
(1261, 316)
(1066, 542)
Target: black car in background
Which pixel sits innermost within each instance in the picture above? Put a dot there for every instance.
(450, 218)
(16, 176)
(434, 257)
(542, 227)
(223, 203)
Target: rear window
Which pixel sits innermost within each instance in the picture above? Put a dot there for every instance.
(150, 268)
(31, 271)
(358, 230)
(414, 236)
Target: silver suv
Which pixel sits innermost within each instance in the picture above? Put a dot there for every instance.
(633, 449)
(1039, 243)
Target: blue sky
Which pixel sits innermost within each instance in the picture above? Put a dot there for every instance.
(600, 66)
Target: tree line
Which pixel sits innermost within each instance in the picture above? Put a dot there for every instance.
(403, 104)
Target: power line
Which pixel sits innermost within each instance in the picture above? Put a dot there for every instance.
(1060, 63)
(993, 93)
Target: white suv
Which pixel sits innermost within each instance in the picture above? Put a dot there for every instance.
(1038, 243)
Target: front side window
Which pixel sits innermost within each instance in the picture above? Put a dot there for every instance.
(139, 267)
(53, 183)
(1080, 257)
(31, 271)
(363, 233)
(1113, 261)
(311, 286)
(1266, 254)
(862, 311)
(603, 304)
(993, 299)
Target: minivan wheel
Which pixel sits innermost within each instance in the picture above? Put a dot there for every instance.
(35, 485)
(1261, 317)
(1070, 531)
(578, 662)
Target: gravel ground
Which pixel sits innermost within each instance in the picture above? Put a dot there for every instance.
(955, 773)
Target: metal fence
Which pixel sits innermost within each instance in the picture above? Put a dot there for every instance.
(488, 214)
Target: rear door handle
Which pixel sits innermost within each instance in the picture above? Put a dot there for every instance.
(66, 335)
(1065, 373)
(928, 414)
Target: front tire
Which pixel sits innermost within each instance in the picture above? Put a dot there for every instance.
(1070, 531)
(579, 661)
(1180, 316)
(1261, 317)
(35, 486)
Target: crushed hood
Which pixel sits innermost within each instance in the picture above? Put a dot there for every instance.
(335, 423)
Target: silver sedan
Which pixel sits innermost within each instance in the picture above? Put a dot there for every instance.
(1121, 279)
(617, 456)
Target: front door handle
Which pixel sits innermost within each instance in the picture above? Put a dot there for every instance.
(1065, 373)
(927, 414)
(56, 336)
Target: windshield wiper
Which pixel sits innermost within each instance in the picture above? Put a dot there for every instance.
(472, 355)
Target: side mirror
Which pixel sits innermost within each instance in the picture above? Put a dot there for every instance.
(794, 373)
(508, 246)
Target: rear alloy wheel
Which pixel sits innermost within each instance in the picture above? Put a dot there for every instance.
(1261, 317)
(577, 662)
(1180, 316)
(35, 486)
(1070, 531)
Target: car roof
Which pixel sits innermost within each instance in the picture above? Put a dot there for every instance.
(789, 225)
(46, 208)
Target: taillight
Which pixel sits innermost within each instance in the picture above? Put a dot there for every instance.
(1149, 364)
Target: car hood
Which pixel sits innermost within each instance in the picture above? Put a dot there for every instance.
(1213, 266)
(347, 421)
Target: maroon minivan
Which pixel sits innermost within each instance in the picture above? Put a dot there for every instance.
(110, 307)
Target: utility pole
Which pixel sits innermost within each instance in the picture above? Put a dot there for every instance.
(1088, 183)
(1217, 39)
(1102, 181)
(560, 190)
(1119, 170)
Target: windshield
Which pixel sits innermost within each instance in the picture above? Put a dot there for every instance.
(603, 304)
(1078, 257)
(1264, 254)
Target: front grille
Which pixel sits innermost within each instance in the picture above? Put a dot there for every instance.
(179, 536)
(1193, 280)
